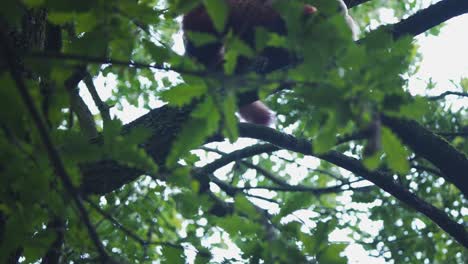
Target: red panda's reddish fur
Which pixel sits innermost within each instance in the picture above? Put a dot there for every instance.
(244, 17)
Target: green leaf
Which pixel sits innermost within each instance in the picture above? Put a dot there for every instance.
(230, 128)
(464, 84)
(218, 11)
(235, 47)
(200, 38)
(327, 135)
(33, 3)
(12, 11)
(204, 122)
(126, 150)
(311, 244)
(173, 255)
(236, 225)
(331, 254)
(397, 155)
(230, 61)
(158, 54)
(38, 245)
(9, 117)
(321, 233)
(71, 6)
(416, 109)
(372, 162)
(201, 259)
(92, 43)
(187, 203)
(85, 22)
(261, 38)
(183, 94)
(295, 202)
(60, 17)
(244, 206)
(180, 177)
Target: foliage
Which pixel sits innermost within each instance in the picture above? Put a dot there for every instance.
(280, 207)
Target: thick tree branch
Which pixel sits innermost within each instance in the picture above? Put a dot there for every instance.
(452, 163)
(164, 124)
(429, 18)
(383, 180)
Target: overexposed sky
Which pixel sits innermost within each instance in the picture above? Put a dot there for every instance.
(445, 57)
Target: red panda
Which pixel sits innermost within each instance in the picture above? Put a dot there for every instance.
(244, 17)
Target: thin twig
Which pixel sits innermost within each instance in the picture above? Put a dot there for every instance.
(261, 198)
(315, 191)
(103, 60)
(447, 93)
(130, 233)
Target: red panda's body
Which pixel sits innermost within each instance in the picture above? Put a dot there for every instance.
(244, 17)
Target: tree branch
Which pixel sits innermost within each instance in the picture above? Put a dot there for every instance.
(452, 163)
(315, 191)
(446, 93)
(429, 18)
(103, 60)
(238, 155)
(381, 179)
(283, 186)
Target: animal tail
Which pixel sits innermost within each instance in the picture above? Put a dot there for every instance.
(257, 113)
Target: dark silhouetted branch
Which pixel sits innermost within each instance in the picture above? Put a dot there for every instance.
(382, 179)
(429, 18)
(452, 163)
